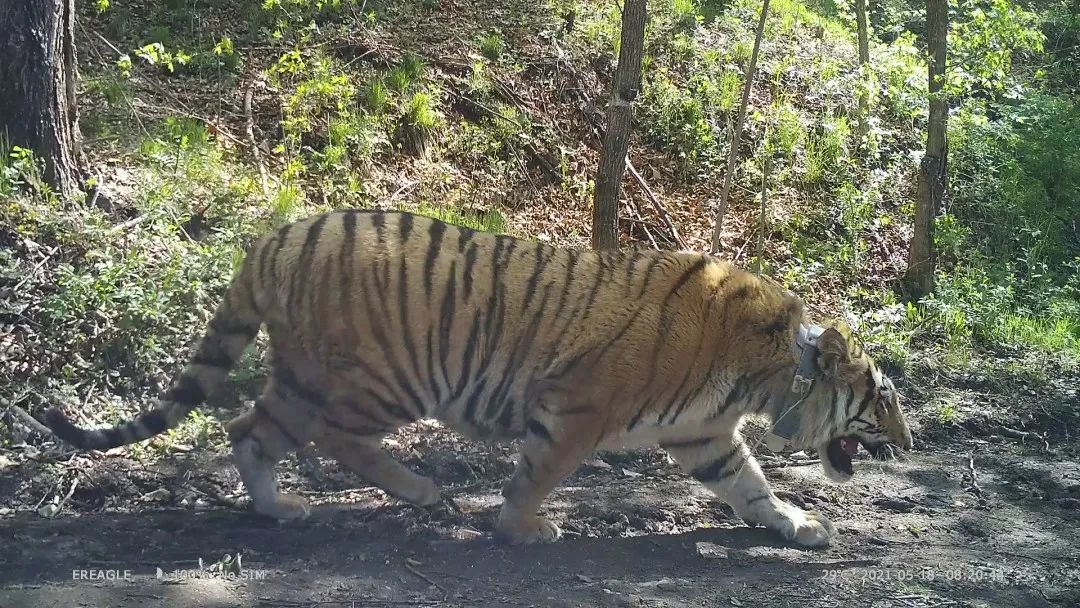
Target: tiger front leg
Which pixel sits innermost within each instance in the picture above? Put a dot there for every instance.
(728, 470)
(548, 455)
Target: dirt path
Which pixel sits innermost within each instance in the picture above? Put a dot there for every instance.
(638, 533)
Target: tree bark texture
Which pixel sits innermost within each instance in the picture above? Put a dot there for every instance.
(38, 109)
(932, 185)
(864, 67)
(624, 89)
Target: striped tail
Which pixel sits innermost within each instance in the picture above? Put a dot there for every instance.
(233, 327)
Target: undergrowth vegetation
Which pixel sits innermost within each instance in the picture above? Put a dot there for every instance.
(209, 125)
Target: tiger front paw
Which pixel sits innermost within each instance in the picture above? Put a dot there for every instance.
(284, 507)
(807, 528)
(525, 529)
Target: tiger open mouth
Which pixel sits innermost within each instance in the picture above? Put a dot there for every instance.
(842, 450)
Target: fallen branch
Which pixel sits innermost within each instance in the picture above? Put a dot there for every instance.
(789, 463)
(597, 131)
(1023, 435)
(249, 128)
(122, 226)
(736, 134)
(351, 603)
(423, 577)
(30, 421)
(531, 151)
(35, 269)
(660, 210)
(759, 247)
(974, 485)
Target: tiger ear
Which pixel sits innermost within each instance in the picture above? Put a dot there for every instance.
(834, 356)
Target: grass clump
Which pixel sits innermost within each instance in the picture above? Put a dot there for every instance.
(492, 46)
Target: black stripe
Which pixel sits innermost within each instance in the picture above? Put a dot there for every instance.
(500, 256)
(212, 353)
(689, 397)
(359, 363)
(388, 350)
(379, 221)
(114, 437)
(301, 271)
(436, 388)
(473, 402)
(288, 379)
(539, 263)
(361, 430)
(446, 320)
(348, 230)
(405, 225)
(778, 325)
(567, 281)
(497, 309)
(862, 405)
(596, 285)
(520, 350)
(436, 232)
(657, 261)
(282, 237)
(262, 411)
(224, 322)
(403, 301)
(537, 428)
(737, 393)
(758, 498)
(154, 422)
(569, 319)
(698, 265)
(714, 471)
(467, 357)
(366, 412)
(636, 418)
(597, 354)
(395, 411)
(467, 274)
(682, 383)
(465, 236)
(264, 256)
(186, 391)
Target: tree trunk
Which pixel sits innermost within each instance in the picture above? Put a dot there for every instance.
(736, 134)
(932, 184)
(37, 87)
(624, 90)
(864, 68)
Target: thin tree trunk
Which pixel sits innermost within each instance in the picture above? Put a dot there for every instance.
(38, 109)
(624, 90)
(919, 277)
(864, 68)
(736, 135)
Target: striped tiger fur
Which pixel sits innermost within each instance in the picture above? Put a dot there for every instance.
(377, 319)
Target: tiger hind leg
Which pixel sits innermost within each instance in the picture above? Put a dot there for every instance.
(364, 455)
(549, 453)
(259, 441)
(727, 468)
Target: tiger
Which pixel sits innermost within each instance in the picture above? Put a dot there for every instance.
(377, 319)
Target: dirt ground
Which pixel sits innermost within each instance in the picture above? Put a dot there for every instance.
(637, 532)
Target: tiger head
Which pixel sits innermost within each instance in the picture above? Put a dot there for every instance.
(851, 403)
